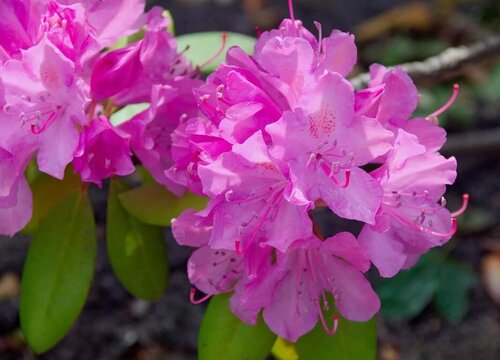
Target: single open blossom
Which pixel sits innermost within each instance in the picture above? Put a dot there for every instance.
(43, 96)
(391, 98)
(102, 151)
(308, 273)
(249, 197)
(330, 145)
(413, 217)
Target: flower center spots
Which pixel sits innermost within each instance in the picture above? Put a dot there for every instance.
(322, 123)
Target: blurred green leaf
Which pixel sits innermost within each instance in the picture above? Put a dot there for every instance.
(408, 293)
(401, 49)
(137, 251)
(204, 45)
(58, 272)
(49, 192)
(155, 205)
(225, 337)
(353, 341)
(476, 219)
(489, 90)
(126, 113)
(452, 299)
(433, 278)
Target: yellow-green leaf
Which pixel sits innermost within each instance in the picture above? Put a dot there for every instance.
(137, 251)
(49, 192)
(155, 205)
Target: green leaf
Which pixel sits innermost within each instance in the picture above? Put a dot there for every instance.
(452, 295)
(408, 293)
(353, 341)
(137, 251)
(58, 272)
(49, 192)
(224, 337)
(155, 205)
(126, 113)
(204, 45)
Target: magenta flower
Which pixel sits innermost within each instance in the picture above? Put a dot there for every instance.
(325, 157)
(45, 98)
(412, 218)
(103, 151)
(250, 205)
(127, 75)
(310, 271)
(194, 142)
(151, 130)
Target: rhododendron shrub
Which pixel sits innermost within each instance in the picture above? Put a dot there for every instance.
(93, 90)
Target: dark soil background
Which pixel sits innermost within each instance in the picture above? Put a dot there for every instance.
(114, 325)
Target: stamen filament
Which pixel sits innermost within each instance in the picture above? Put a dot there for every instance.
(465, 203)
(290, 9)
(328, 331)
(446, 106)
(192, 292)
(216, 55)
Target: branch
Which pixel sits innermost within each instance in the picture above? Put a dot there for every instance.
(445, 64)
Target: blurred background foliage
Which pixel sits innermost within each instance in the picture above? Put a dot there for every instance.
(446, 307)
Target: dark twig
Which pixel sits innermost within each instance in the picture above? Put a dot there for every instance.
(445, 64)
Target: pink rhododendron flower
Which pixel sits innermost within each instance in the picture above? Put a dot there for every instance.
(103, 151)
(285, 132)
(311, 270)
(250, 205)
(412, 218)
(45, 98)
(324, 159)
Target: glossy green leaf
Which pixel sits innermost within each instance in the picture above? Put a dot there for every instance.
(155, 205)
(49, 192)
(137, 251)
(126, 113)
(408, 293)
(225, 337)
(204, 45)
(452, 299)
(58, 272)
(353, 341)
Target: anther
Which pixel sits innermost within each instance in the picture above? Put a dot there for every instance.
(192, 293)
(311, 159)
(465, 203)
(347, 179)
(446, 106)
(237, 245)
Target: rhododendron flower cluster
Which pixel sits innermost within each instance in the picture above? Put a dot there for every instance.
(267, 138)
(283, 132)
(59, 83)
